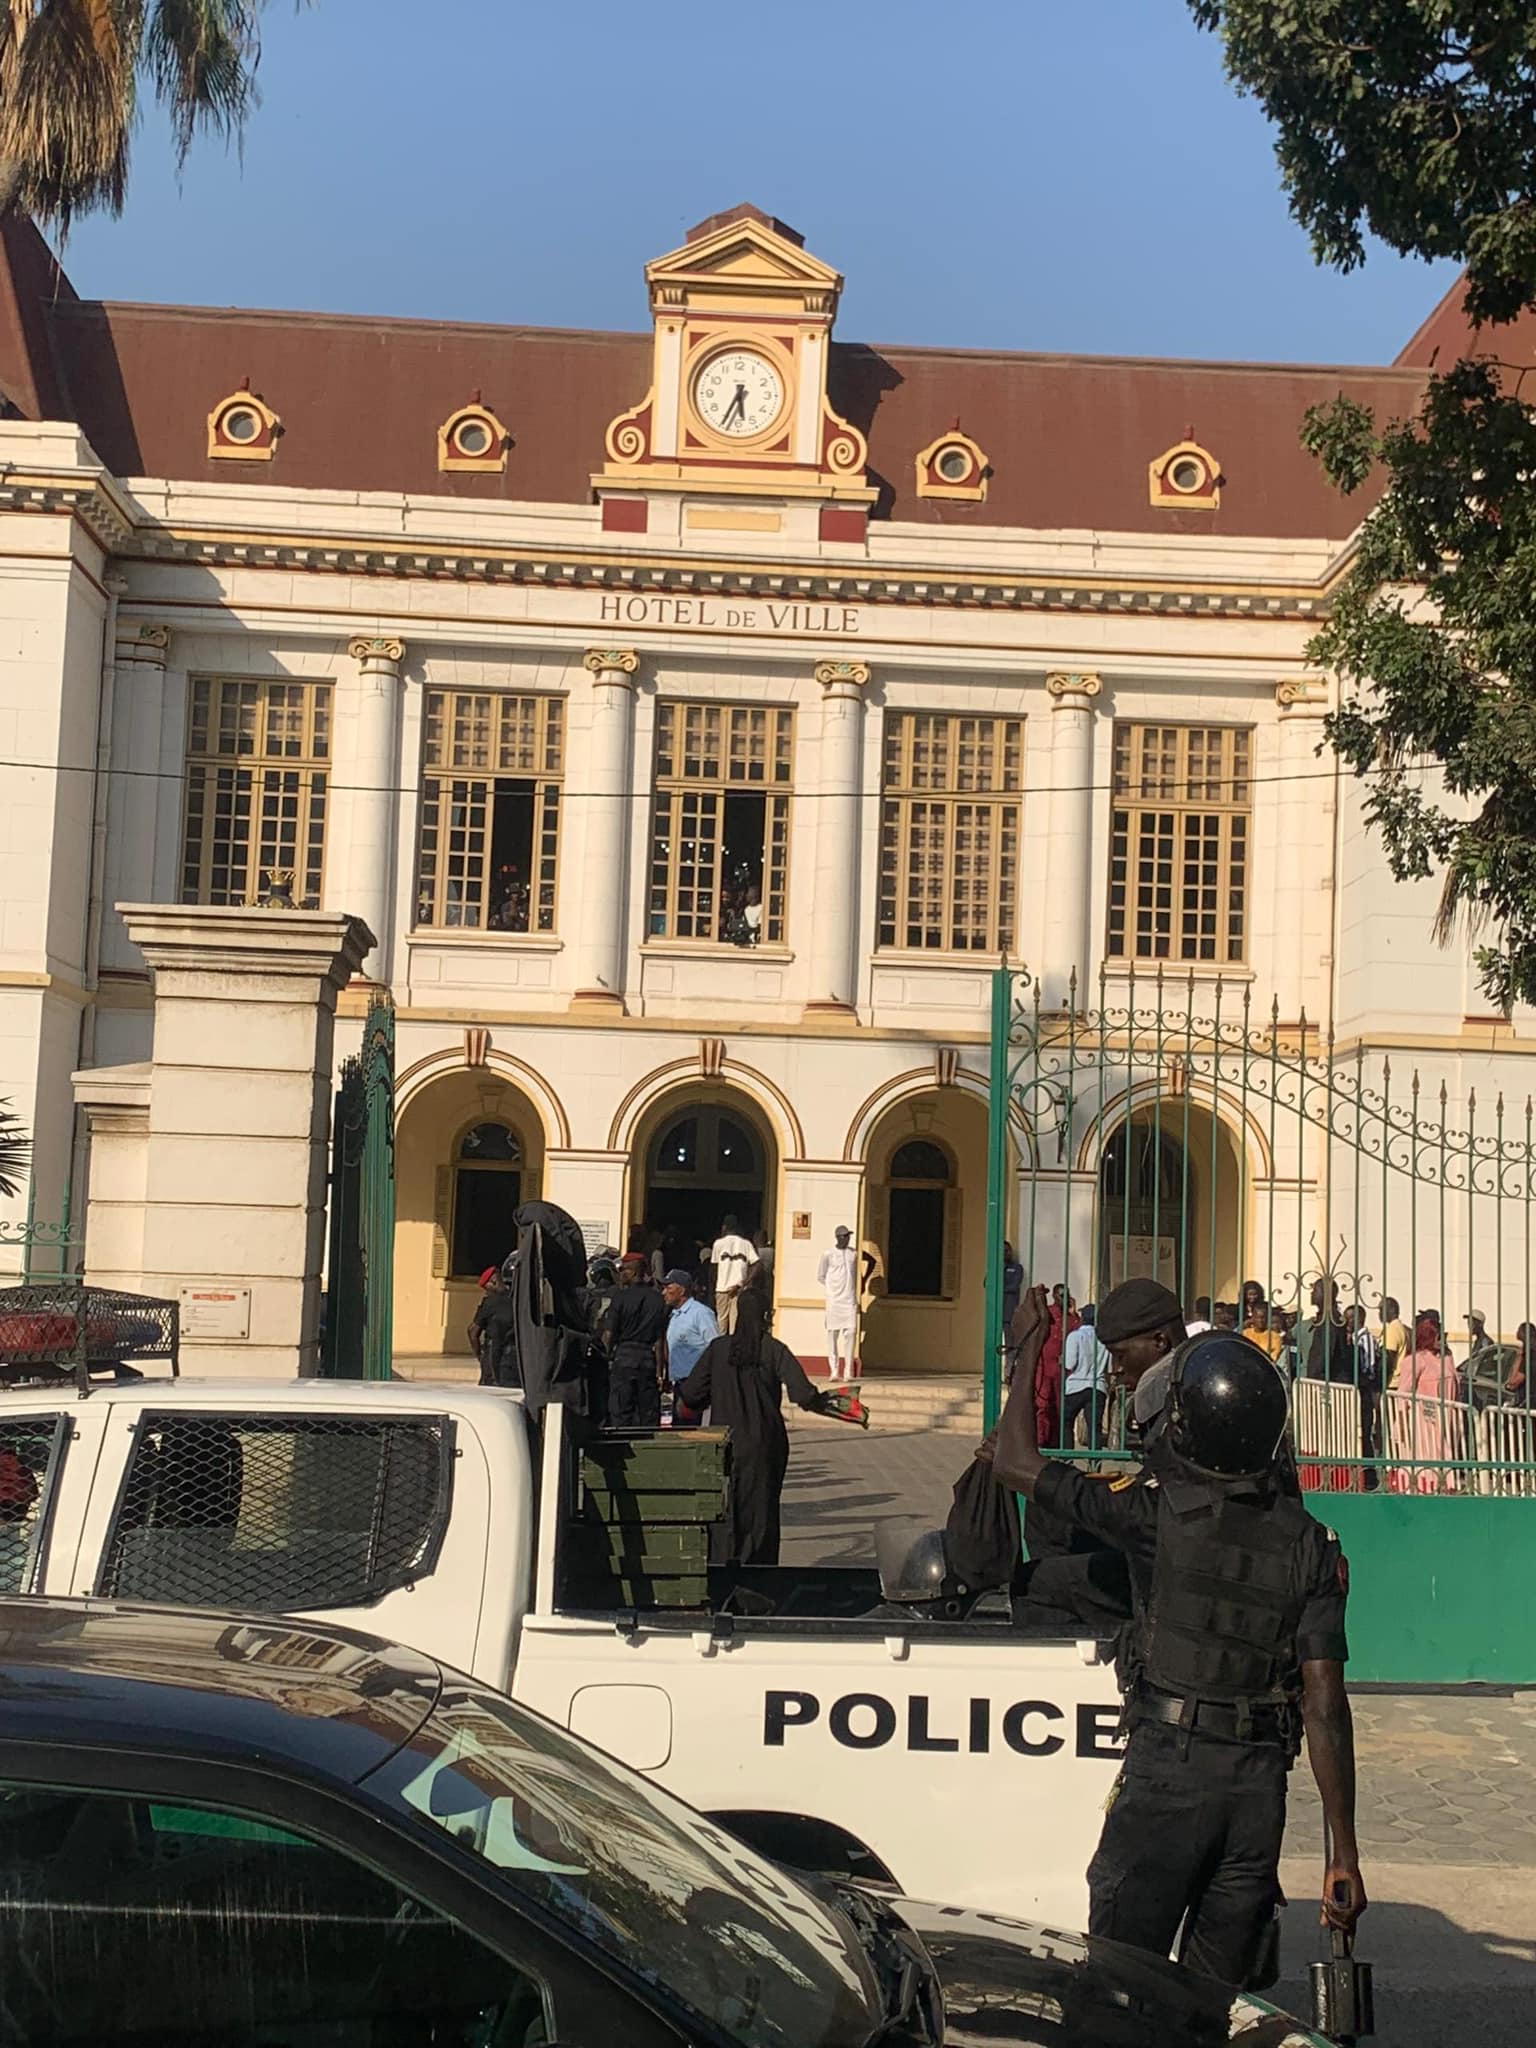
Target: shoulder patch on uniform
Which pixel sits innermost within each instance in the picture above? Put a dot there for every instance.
(1119, 1485)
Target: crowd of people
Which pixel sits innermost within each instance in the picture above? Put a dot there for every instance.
(1405, 1367)
(672, 1347)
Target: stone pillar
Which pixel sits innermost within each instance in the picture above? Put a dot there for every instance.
(115, 1105)
(1069, 854)
(361, 865)
(238, 1122)
(598, 951)
(1304, 869)
(834, 952)
(136, 799)
(589, 1185)
(822, 1194)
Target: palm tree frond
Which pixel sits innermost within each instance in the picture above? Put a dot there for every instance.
(202, 56)
(68, 101)
(15, 1151)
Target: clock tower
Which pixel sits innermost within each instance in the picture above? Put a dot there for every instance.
(738, 399)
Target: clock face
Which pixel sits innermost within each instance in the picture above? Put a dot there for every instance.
(739, 393)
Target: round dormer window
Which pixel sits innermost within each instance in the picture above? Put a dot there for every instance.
(242, 425)
(1187, 474)
(472, 437)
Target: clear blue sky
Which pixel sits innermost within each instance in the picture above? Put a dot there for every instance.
(1022, 174)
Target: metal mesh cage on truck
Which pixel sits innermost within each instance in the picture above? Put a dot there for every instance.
(274, 1513)
(54, 1327)
(30, 1450)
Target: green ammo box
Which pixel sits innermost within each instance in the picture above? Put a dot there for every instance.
(639, 1536)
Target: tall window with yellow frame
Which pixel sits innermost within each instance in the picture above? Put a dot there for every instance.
(258, 786)
(1180, 824)
(720, 822)
(489, 843)
(951, 810)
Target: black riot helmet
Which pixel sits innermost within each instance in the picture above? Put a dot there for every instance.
(1226, 1407)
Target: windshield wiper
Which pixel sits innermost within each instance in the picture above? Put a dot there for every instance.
(908, 1983)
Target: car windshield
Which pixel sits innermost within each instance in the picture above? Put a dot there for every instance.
(678, 1901)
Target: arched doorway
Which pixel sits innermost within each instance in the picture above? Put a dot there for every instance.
(925, 1228)
(699, 1158)
(469, 1147)
(1172, 1196)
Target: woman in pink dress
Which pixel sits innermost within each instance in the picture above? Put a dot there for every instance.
(1428, 1423)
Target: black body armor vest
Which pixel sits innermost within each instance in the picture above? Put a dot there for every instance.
(1226, 1596)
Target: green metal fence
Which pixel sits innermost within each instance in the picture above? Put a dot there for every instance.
(1170, 1126)
(359, 1323)
(47, 1245)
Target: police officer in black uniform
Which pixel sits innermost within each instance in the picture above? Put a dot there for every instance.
(1236, 1648)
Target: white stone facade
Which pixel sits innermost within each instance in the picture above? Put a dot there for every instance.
(826, 1049)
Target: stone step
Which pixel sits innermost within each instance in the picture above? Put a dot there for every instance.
(916, 1403)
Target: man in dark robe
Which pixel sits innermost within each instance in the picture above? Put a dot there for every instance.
(742, 1380)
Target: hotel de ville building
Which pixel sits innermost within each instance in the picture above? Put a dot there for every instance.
(698, 717)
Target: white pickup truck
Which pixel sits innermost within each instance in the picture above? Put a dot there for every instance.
(960, 1760)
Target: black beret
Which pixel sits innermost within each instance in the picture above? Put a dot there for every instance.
(1136, 1307)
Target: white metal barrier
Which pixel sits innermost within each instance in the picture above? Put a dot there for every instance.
(1325, 1420)
(1422, 1439)
(1506, 1445)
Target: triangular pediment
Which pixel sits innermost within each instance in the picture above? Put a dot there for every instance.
(742, 253)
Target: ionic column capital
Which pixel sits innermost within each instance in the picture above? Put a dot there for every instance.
(141, 645)
(1302, 696)
(378, 653)
(615, 665)
(843, 678)
(1071, 689)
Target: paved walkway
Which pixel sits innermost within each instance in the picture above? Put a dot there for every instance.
(842, 1481)
(1447, 1784)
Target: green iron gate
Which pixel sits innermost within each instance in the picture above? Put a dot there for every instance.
(1169, 1124)
(359, 1323)
(44, 1244)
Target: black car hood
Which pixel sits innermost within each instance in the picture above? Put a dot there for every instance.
(1013, 1984)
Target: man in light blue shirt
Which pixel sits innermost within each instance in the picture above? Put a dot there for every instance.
(691, 1329)
(1084, 1380)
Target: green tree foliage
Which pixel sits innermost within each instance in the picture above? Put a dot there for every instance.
(1415, 120)
(71, 76)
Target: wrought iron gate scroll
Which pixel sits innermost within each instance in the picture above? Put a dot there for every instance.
(1173, 1127)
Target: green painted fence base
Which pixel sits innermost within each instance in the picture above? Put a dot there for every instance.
(1439, 1588)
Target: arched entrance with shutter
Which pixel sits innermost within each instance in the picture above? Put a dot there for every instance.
(702, 1154)
(469, 1147)
(925, 1229)
(1171, 1193)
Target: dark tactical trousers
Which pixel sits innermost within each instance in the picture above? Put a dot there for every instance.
(634, 1398)
(1194, 1828)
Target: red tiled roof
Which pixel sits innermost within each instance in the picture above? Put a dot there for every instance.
(1069, 438)
(1448, 334)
